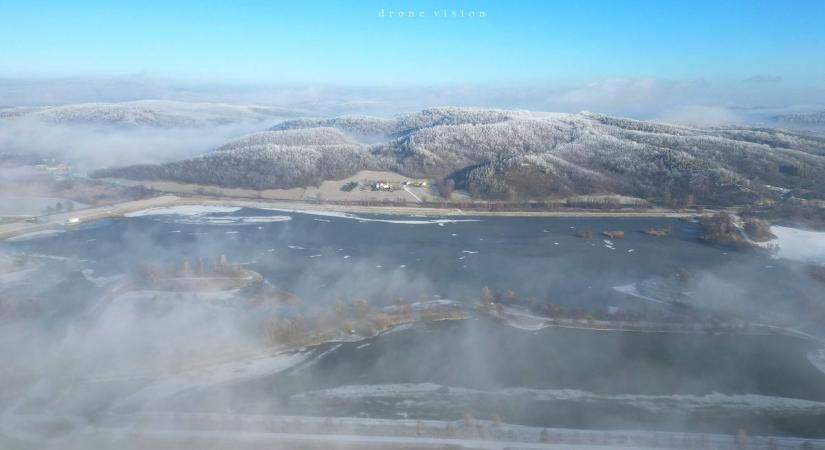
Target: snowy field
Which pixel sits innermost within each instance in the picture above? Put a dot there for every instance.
(206, 215)
(799, 245)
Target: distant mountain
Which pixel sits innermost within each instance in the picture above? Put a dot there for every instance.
(502, 154)
(149, 113)
(298, 137)
(809, 119)
(398, 126)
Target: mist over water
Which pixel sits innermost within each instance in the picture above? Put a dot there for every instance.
(89, 146)
(626, 249)
(322, 258)
(83, 345)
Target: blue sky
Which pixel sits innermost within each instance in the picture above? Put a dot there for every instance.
(347, 43)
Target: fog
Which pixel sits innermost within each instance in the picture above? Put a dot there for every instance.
(116, 139)
(82, 343)
(642, 98)
(92, 146)
(93, 359)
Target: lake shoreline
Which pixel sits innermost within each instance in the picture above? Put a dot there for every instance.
(78, 216)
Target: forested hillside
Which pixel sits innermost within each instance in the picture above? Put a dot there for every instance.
(501, 154)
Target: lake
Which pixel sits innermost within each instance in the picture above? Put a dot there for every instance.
(550, 377)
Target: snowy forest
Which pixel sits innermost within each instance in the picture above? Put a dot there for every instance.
(508, 155)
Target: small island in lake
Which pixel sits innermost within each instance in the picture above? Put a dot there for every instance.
(584, 234)
(658, 232)
(203, 277)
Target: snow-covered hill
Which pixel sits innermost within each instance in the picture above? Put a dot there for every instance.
(314, 136)
(503, 154)
(808, 119)
(150, 113)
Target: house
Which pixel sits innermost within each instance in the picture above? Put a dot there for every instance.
(58, 168)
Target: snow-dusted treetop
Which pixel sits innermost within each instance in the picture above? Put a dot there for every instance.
(153, 113)
(803, 119)
(516, 154)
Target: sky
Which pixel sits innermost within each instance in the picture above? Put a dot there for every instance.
(767, 50)
(350, 43)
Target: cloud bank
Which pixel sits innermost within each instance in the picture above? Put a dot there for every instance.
(642, 98)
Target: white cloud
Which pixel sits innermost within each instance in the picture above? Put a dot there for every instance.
(94, 146)
(700, 115)
(642, 98)
(763, 79)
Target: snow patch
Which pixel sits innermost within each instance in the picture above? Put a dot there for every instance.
(99, 281)
(633, 290)
(817, 358)
(424, 393)
(183, 210)
(343, 215)
(18, 276)
(299, 369)
(229, 220)
(799, 245)
(242, 369)
(35, 235)
(205, 215)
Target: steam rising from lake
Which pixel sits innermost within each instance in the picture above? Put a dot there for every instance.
(83, 343)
